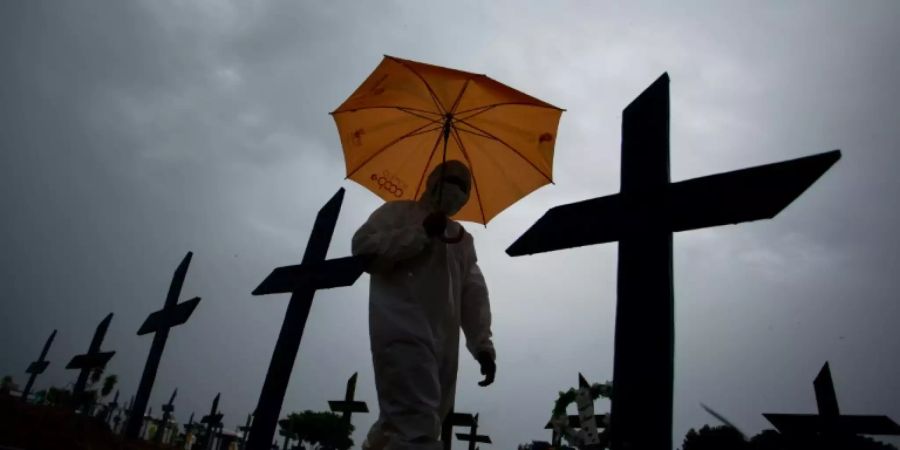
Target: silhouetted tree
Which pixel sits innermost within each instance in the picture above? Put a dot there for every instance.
(58, 397)
(7, 385)
(94, 393)
(322, 430)
(714, 438)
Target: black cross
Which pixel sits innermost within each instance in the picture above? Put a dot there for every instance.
(144, 421)
(128, 411)
(245, 431)
(190, 424)
(829, 421)
(116, 421)
(93, 359)
(168, 409)
(574, 423)
(473, 437)
(454, 419)
(301, 281)
(642, 218)
(172, 315)
(110, 407)
(38, 367)
(349, 406)
(213, 421)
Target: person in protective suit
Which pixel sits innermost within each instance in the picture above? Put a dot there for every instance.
(425, 286)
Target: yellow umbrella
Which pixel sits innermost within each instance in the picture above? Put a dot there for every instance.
(408, 117)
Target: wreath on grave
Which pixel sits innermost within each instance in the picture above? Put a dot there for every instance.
(560, 420)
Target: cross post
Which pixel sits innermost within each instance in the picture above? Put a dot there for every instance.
(159, 323)
(301, 281)
(642, 218)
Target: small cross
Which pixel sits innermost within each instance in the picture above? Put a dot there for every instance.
(168, 409)
(473, 437)
(213, 420)
(829, 421)
(93, 359)
(349, 406)
(454, 419)
(38, 367)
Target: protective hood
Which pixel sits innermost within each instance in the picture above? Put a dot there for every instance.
(450, 192)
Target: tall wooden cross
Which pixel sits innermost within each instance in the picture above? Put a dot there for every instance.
(642, 218)
(301, 281)
(454, 419)
(213, 421)
(829, 421)
(93, 359)
(348, 406)
(159, 323)
(38, 367)
(168, 409)
(472, 436)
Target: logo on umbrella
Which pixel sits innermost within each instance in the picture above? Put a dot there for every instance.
(390, 183)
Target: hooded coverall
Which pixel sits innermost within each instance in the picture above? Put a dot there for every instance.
(422, 292)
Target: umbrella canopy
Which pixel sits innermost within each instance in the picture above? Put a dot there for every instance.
(407, 117)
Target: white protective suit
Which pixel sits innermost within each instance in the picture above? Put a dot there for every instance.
(422, 291)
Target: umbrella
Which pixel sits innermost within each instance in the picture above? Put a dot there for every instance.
(407, 117)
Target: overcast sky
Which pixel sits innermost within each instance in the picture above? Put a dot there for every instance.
(134, 131)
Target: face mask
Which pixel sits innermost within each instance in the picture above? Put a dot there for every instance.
(452, 198)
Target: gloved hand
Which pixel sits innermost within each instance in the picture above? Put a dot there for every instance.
(488, 368)
(435, 224)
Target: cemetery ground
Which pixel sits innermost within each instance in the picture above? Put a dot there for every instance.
(28, 426)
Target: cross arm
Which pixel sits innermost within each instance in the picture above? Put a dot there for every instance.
(214, 419)
(813, 423)
(574, 422)
(341, 406)
(577, 224)
(319, 275)
(745, 195)
(479, 438)
(37, 367)
(164, 318)
(90, 360)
